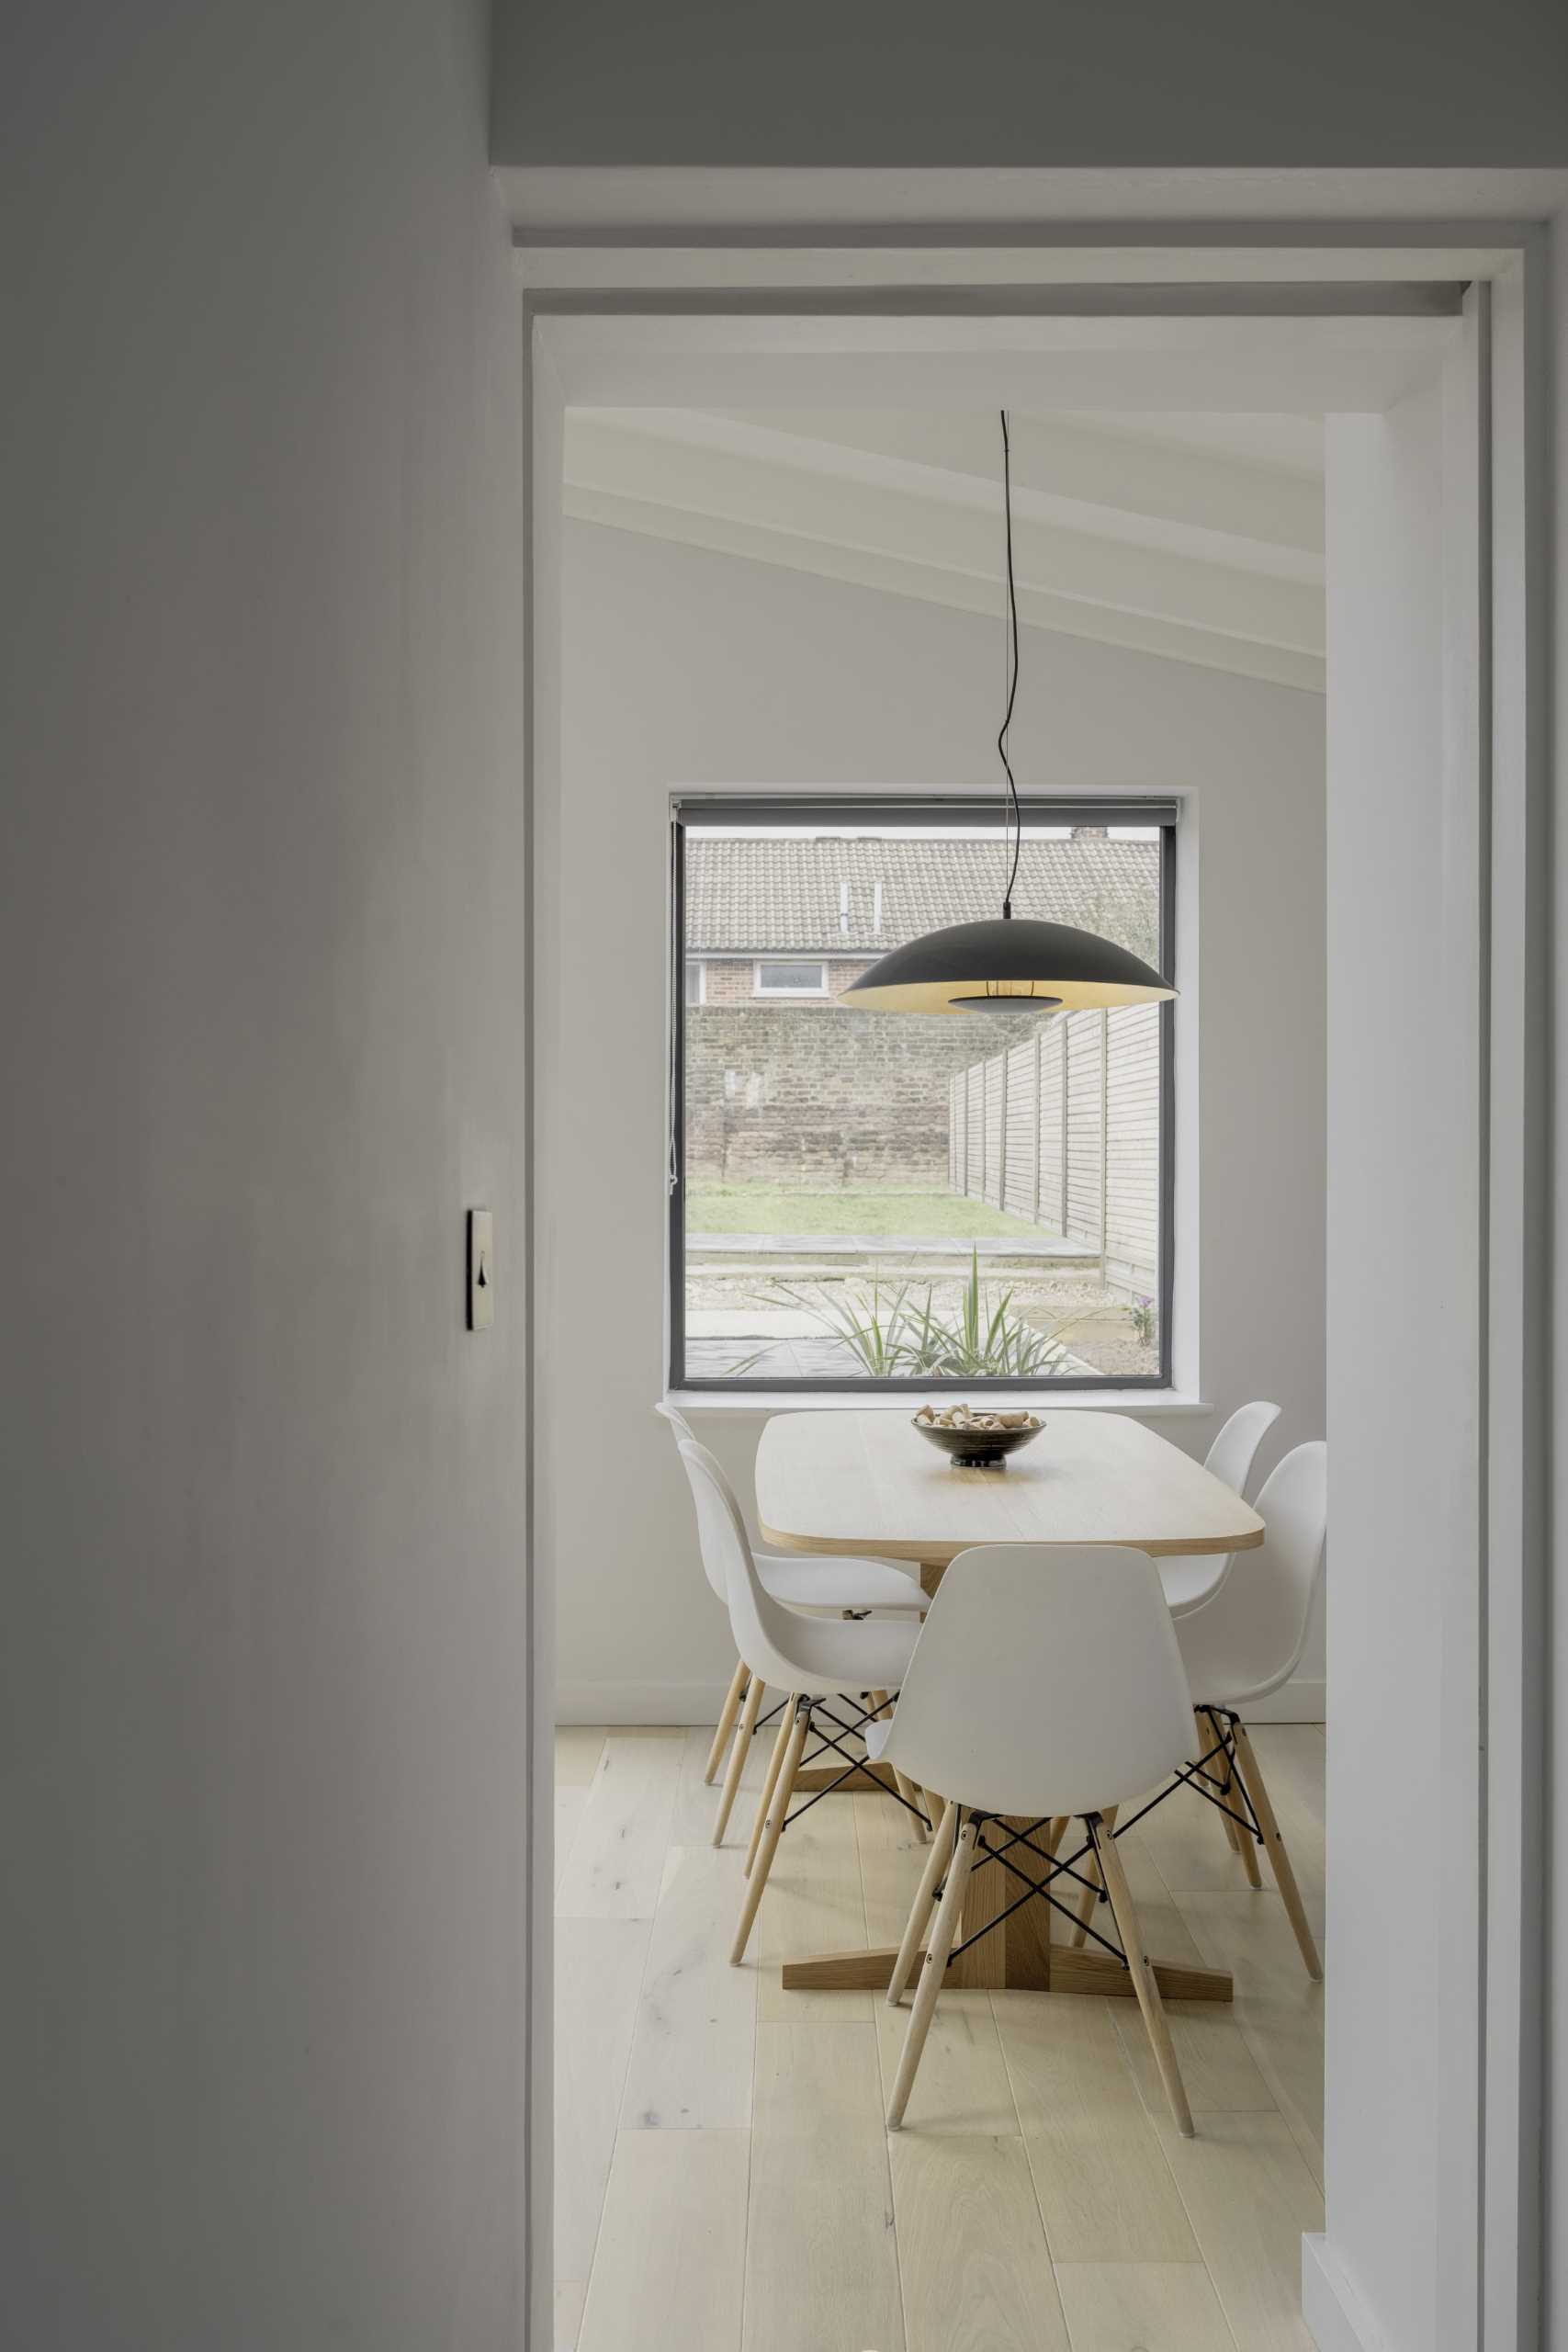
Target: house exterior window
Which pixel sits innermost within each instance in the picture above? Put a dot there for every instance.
(792, 978)
(851, 1190)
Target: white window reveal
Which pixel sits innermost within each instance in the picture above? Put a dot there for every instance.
(792, 978)
(697, 993)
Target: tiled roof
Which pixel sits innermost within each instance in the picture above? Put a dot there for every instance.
(749, 895)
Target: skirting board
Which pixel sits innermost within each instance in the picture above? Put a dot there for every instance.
(1337, 2319)
(1301, 1702)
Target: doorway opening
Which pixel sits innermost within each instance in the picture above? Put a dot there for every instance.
(691, 651)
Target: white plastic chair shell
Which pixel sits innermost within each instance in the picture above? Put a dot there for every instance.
(821, 1657)
(1046, 1680)
(1247, 1640)
(1189, 1582)
(849, 1582)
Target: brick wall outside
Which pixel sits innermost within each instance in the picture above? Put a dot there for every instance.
(777, 1095)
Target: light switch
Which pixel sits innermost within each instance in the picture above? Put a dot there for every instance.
(481, 1270)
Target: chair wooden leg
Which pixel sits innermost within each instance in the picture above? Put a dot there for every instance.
(737, 1755)
(905, 1787)
(1241, 1835)
(1144, 1980)
(937, 1950)
(1279, 1860)
(775, 1762)
(1243, 1844)
(922, 1908)
(1079, 1936)
(783, 1789)
(738, 1683)
(912, 1794)
(1209, 1739)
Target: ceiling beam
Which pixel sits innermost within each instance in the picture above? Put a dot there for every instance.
(718, 498)
(863, 567)
(1112, 485)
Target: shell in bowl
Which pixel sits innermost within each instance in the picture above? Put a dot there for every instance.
(974, 1438)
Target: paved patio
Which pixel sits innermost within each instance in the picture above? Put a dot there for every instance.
(1045, 1248)
(786, 1344)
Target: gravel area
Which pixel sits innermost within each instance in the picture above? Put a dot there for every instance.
(1094, 1325)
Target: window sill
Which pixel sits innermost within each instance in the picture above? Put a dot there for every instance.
(697, 1401)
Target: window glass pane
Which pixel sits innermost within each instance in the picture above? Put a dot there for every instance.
(790, 978)
(859, 1186)
(693, 981)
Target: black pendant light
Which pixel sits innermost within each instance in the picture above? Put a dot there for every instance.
(1012, 965)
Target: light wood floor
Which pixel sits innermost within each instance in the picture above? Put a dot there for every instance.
(723, 2180)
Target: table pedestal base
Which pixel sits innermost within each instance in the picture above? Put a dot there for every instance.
(867, 1780)
(1069, 1972)
(1018, 1953)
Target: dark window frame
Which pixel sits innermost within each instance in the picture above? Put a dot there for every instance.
(775, 809)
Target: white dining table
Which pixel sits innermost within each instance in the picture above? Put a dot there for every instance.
(868, 1482)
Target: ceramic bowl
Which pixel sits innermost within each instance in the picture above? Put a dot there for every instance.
(978, 1449)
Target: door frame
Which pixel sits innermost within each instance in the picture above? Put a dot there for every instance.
(716, 278)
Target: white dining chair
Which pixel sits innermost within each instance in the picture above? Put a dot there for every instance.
(1246, 1641)
(814, 1659)
(844, 1585)
(1188, 1583)
(1046, 1683)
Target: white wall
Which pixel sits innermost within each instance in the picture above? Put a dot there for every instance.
(1403, 1658)
(685, 668)
(263, 955)
(1554, 2228)
(703, 83)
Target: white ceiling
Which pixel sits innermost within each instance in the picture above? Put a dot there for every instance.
(1195, 534)
(1294, 443)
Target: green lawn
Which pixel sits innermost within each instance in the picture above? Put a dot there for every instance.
(765, 1208)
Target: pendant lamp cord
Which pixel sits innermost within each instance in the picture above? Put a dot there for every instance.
(1013, 811)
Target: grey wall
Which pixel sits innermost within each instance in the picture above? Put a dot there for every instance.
(262, 964)
(1031, 81)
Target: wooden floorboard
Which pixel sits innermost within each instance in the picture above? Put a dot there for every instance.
(1250, 2197)
(671, 2264)
(691, 2052)
(724, 2179)
(821, 2264)
(973, 2266)
(1105, 2190)
(599, 1966)
(1142, 2307)
(617, 1857)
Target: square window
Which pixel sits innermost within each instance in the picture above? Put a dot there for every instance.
(907, 1201)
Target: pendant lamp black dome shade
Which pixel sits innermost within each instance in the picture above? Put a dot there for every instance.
(1012, 965)
(1008, 965)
